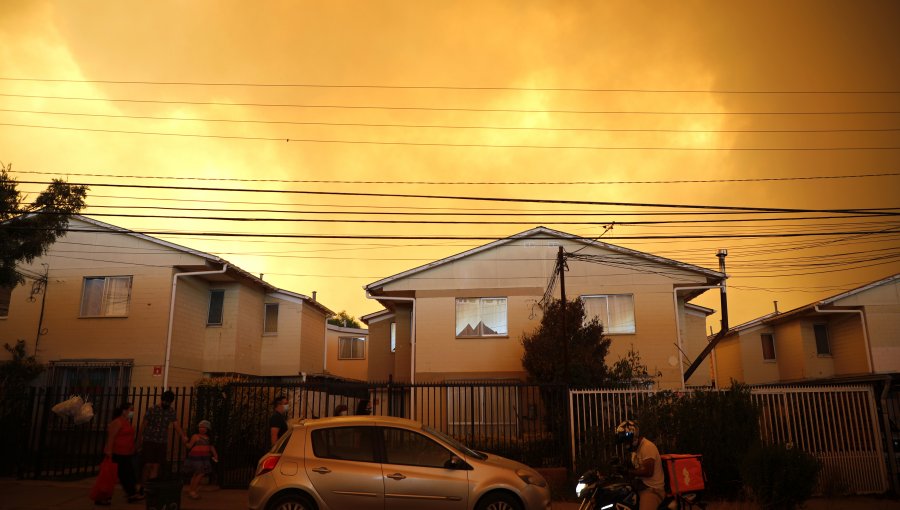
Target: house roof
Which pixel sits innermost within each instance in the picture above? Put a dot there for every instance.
(776, 317)
(546, 233)
(351, 331)
(232, 269)
(376, 316)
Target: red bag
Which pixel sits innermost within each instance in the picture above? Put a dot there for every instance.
(106, 480)
(684, 473)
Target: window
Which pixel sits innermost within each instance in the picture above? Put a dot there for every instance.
(768, 346)
(271, 325)
(409, 448)
(5, 295)
(344, 443)
(479, 317)
(393, 337)
(615, 311)
(90, 376)
(351, 348)
(822, 347)
(105, 296)
(216, 303)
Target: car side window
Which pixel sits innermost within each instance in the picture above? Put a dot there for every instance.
(344, 443)
(410, 448)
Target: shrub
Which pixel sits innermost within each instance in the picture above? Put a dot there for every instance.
(780, 478)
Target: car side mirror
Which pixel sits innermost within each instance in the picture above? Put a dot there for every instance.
(455, 462)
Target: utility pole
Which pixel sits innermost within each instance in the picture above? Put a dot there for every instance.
(561, 267)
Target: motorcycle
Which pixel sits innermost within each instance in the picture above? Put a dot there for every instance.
(613, 491)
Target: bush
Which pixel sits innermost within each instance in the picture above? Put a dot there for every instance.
(778, 477)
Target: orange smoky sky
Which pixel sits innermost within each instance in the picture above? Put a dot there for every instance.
(766, 104)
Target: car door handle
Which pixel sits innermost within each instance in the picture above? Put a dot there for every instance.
(396, 476)
(322, 470)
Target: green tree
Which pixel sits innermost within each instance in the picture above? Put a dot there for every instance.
(631, 372)
(28, 230)
(345, 320)
(544, 359)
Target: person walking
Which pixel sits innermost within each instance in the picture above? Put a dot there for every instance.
(364, 407)
(200, 453)
(154, 434)
(119, 447)
(278, 421)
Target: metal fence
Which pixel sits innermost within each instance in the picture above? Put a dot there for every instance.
(839, 425)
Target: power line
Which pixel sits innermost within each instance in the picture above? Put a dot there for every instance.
(452, 109)
(446, 87)
(473, 183)
(474, 198)
(443, 144)
(445, 126)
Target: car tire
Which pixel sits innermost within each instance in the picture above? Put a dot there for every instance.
(291, 502)
(499, 501)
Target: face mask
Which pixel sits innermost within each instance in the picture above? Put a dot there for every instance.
(130, 414)
(285, 407)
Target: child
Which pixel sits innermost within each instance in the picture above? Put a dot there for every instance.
(200, 451)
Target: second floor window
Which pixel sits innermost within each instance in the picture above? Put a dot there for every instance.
(479, 317)
(271, 325)
(216, 307)
(106, 296)
(351, 348)
(615, 311)
(393, 337)
(5, 296)
(822, 345)
(768, 346)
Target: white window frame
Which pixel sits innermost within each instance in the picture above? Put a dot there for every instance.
(103, 303)
(762, 339)
(605, 320)
(354, 341)
(479, 331)
(266, 329)
(393, 336)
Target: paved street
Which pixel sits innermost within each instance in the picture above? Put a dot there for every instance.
(34, 495)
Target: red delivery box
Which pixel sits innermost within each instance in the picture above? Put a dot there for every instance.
(684, 473)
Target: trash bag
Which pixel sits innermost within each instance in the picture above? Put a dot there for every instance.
(85, 414)
(69, 407)
(106, 480)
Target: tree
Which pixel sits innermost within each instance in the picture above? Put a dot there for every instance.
(345, 320)
(631, 372)
(543, 358)
(28, 230)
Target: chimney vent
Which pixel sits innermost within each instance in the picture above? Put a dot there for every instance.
(776, 306)
(314, 295)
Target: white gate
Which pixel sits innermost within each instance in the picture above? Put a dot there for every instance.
(836, 424)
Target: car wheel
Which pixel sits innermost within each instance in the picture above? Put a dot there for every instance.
(291, 502)
(498, 501)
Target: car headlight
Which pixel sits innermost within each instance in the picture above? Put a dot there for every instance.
(531, 478)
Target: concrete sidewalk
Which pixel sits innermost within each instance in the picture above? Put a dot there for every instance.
(41, 495)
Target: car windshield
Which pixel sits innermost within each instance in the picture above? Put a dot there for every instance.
(455, 444)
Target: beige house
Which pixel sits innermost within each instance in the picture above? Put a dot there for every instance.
(108, 307)
(347, 353)
(853, 333)
(463, 317)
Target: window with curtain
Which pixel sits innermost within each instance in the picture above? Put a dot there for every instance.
(271, 325)
(393, 337)
(216, 307)
(615, 311)
(106, 296)
(351, 348)
(768, 346)
(479, 317)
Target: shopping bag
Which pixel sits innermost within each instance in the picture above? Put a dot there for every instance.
(106, 480)
(85, 414)
(68, 407)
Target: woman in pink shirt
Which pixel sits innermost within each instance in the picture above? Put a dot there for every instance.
(120, 447)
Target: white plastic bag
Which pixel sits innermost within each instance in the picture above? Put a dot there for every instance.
(85, 414)
(70, 407)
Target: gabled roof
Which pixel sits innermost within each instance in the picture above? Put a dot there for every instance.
(380, 315)
(233, 269)
(776, 317)
(547, 233)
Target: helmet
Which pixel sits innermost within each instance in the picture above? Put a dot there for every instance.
(626, 433)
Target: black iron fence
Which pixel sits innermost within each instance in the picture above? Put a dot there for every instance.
(525, 422)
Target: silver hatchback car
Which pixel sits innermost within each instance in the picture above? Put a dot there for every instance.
(382, 463)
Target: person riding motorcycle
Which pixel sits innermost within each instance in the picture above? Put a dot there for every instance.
(646, 462)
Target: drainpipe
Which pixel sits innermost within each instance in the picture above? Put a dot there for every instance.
(412, 342)
(172, 317)
(865, 332)
(678, 325)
